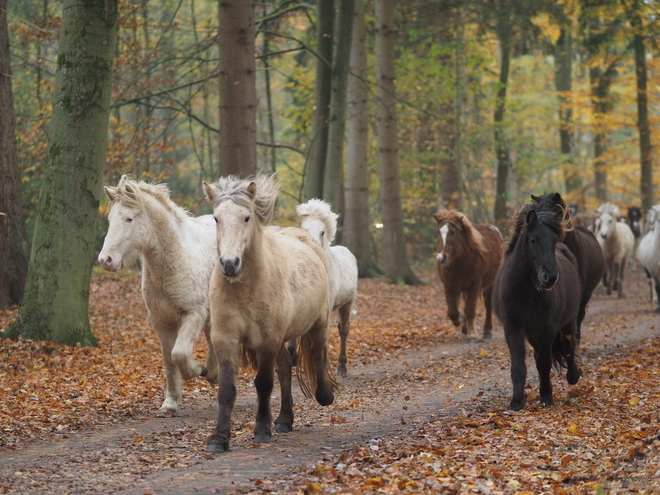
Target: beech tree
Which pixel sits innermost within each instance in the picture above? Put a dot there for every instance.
(55, 305)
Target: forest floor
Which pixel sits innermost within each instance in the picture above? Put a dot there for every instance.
(420, 410)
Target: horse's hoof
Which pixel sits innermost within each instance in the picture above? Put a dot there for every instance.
(341, 372)
(262, 437)
(547, 400)
(516, 405)
(166, 413)
(283, 428)
(325, 399)
(217, 447)
(487, 336)
(573, 376)
(472, 340)
(204, 371)
(464, 330)
(657, 310)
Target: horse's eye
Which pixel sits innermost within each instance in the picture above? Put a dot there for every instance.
(322, 233)
(247, 219)
(216, 220)
(532, 241)
(129, 220)
(451, 232)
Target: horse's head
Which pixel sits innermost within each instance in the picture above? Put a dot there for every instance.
(606, 225)
(454, 229)
(127, 232)
(239, 207)
(318, 219)
(540, 230)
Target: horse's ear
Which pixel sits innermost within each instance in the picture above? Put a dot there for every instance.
(209, 190)
(535, 198)
(110, 192)
(531, 216)
(131, 192)
(252, 189)
(437, 217)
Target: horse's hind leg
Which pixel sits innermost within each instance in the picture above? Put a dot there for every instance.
(657, 292)
(211, 358)
(488, 305)
(569, 346)
(343, 327)
(471, 299)
(315, 361)
(543, 358)
(516, 342)
(453, 299)
(191, 324)
(263, 382)
(284, 422)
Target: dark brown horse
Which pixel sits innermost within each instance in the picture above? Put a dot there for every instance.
(536, 295)
(584, 246)
(468, 257)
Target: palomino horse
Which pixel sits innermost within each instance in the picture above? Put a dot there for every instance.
(536, 295)
(178, 254)
(468, 257)
(318, 219)
(268, 287)
(617, 242)
(584, 246)
(648, 252)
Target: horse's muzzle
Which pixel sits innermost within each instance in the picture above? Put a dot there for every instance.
(441, 257)
(547, 280)
(230, 267)
(109, 264)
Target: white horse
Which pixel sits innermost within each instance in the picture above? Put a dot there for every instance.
(269, 286)
(317, 218)
(617, 242)
(648, 252)
(178, 254)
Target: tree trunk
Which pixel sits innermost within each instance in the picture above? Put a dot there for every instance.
(395, 259)
(356, 222)
(318, 147)
(334, 163)
(238, 93)
(600, 84)
(645, 147)
(13, 236)
(563, 85)
(55, 306)
(501, 147)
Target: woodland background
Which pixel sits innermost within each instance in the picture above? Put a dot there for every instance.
(493, 100)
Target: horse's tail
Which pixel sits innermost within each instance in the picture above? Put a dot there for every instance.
(562, 348)
(305, 366)
(248, 358)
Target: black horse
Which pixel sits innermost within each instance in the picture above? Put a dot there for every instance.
(584, 246)
(536, 297)
(635, 221)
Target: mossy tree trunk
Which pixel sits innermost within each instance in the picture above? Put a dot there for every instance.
(13, 236)
(55, 306)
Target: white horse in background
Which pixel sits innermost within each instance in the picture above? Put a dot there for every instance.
(617, 242)
(317, 218)
(648, 252)
(178, 254)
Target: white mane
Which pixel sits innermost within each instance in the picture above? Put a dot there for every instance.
(321, 210)
(238, 190)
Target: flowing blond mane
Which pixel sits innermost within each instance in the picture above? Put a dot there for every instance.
(237, 190)
(317, 208)
(129, 193)
(460, 221)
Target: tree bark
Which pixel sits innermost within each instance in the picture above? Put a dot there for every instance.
(600, 87)
(563, 85)
(501, 147)
(395, 259)
(356, 222)
(334, 163)
(55, 306)
(318, 147)
(13, 235)
(238, 94)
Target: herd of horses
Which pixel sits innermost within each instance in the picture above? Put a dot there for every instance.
(540, 286)
(263, 295)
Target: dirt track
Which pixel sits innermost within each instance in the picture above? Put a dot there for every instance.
(390, 397)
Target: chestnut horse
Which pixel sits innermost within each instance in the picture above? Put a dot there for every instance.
(536, 296)
(468, 257)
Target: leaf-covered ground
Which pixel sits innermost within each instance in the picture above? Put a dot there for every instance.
(405, 360)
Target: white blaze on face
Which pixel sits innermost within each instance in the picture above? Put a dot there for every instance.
(443, 235)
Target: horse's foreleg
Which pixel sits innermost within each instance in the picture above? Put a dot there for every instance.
(516, 342)
(471, 299)
(622, 266)
(543, 358)
(211, 358)
(344, 328)
(488, 305)
(167, 337)
(657, 292)
(228, 357)
(284, 422)
(453, 312)
(263, 382)
(191, 324)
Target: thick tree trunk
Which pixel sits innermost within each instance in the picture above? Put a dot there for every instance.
(356, 222)
(238, 94)
(600, 84)
(318, 147)
(55, 305)
(13, 236)
(334, 163)
(563, 85)
(501, 147)
(395, 259)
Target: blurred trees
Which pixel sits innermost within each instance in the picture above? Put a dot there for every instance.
(578, 135)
